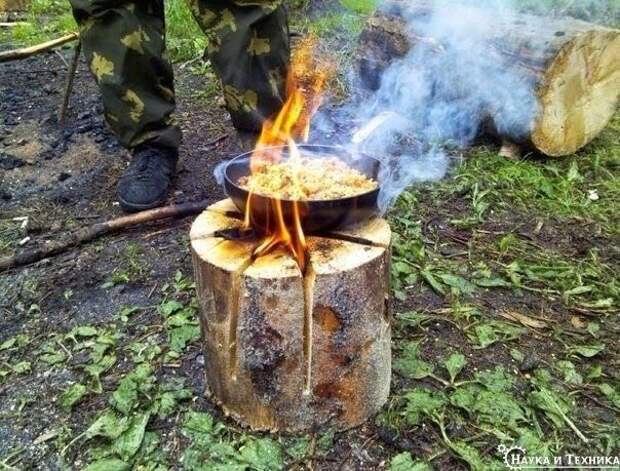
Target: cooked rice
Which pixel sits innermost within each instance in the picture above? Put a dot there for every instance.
(308, 179)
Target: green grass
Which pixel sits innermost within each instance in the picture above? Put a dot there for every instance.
(360, 6)
(48, 19)
(185, 39)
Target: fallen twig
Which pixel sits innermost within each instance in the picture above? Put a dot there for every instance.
(24, 52)
(69, 85)
(13, 24)
(87, 234)
(61, 57)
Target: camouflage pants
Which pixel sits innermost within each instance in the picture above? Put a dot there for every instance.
(124, 44)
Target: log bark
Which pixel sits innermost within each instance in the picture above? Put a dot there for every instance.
(287, 351)
(573, 66)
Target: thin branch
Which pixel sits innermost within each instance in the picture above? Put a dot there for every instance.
(95, 231)
(22, 53)
(70, 79)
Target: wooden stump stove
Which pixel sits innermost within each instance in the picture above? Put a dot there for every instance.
(286, 351)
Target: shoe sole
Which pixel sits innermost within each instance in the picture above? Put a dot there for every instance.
(137, 207)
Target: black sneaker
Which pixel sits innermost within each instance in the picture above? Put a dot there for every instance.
(145, 184)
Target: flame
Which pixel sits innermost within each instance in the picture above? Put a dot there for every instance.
(304, 85)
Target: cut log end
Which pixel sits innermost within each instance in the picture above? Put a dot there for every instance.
(287, 351)
(573, 67)
(579, 93)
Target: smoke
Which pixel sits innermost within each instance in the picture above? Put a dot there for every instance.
(440, 95)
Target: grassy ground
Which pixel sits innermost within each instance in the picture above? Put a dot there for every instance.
(505, 280)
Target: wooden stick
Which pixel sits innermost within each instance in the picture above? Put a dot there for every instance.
(12, 24)
(24, 52)
(70, 79)
(87, 234)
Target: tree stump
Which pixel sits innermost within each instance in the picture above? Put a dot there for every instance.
(286, 351)
(572, 66)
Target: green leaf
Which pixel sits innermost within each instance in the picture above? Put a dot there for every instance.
(126, 312)
(532, 442)
(53, 358)
(488, 333)
(432, 281)
(573, 172)
(108, 425)
(587, 351)
(297, 447)
(325, 442)
(495, 380)
(108, 464)
(86, 331)
(594, 372)
(410, 364)
(179, 337)
(97, 369)
(404, 462)
(458, 284)
(169, 307)
(402, 267)
(128, 443)
(412, 318)
(454, 365)
(167, 400)
(578, 290)
(593, 328)
(499, 409)
(125, 398)
(465, 396)
(198, 422)
(470, 455)
(8, 343)
(72, 395)
(263, 454)
(493, 283)
(610, 393)
(571, 376)
(554, 407)
(422, 403)
(517, 355)
(486, 406)
(22, 367)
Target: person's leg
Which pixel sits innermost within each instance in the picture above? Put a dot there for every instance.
(124, 45)
(249, 49)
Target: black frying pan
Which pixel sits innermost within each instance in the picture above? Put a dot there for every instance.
(317, 215)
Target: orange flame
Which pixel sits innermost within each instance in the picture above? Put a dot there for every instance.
(304, 85)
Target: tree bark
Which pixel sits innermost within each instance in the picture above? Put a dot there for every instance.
(287, 351)
(572, 65)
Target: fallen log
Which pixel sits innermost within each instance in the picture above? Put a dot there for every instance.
(292, 351)
(90, 233)
(25, 52)
(573, 67)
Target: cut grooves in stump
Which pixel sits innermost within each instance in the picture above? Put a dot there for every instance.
(286, 351)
